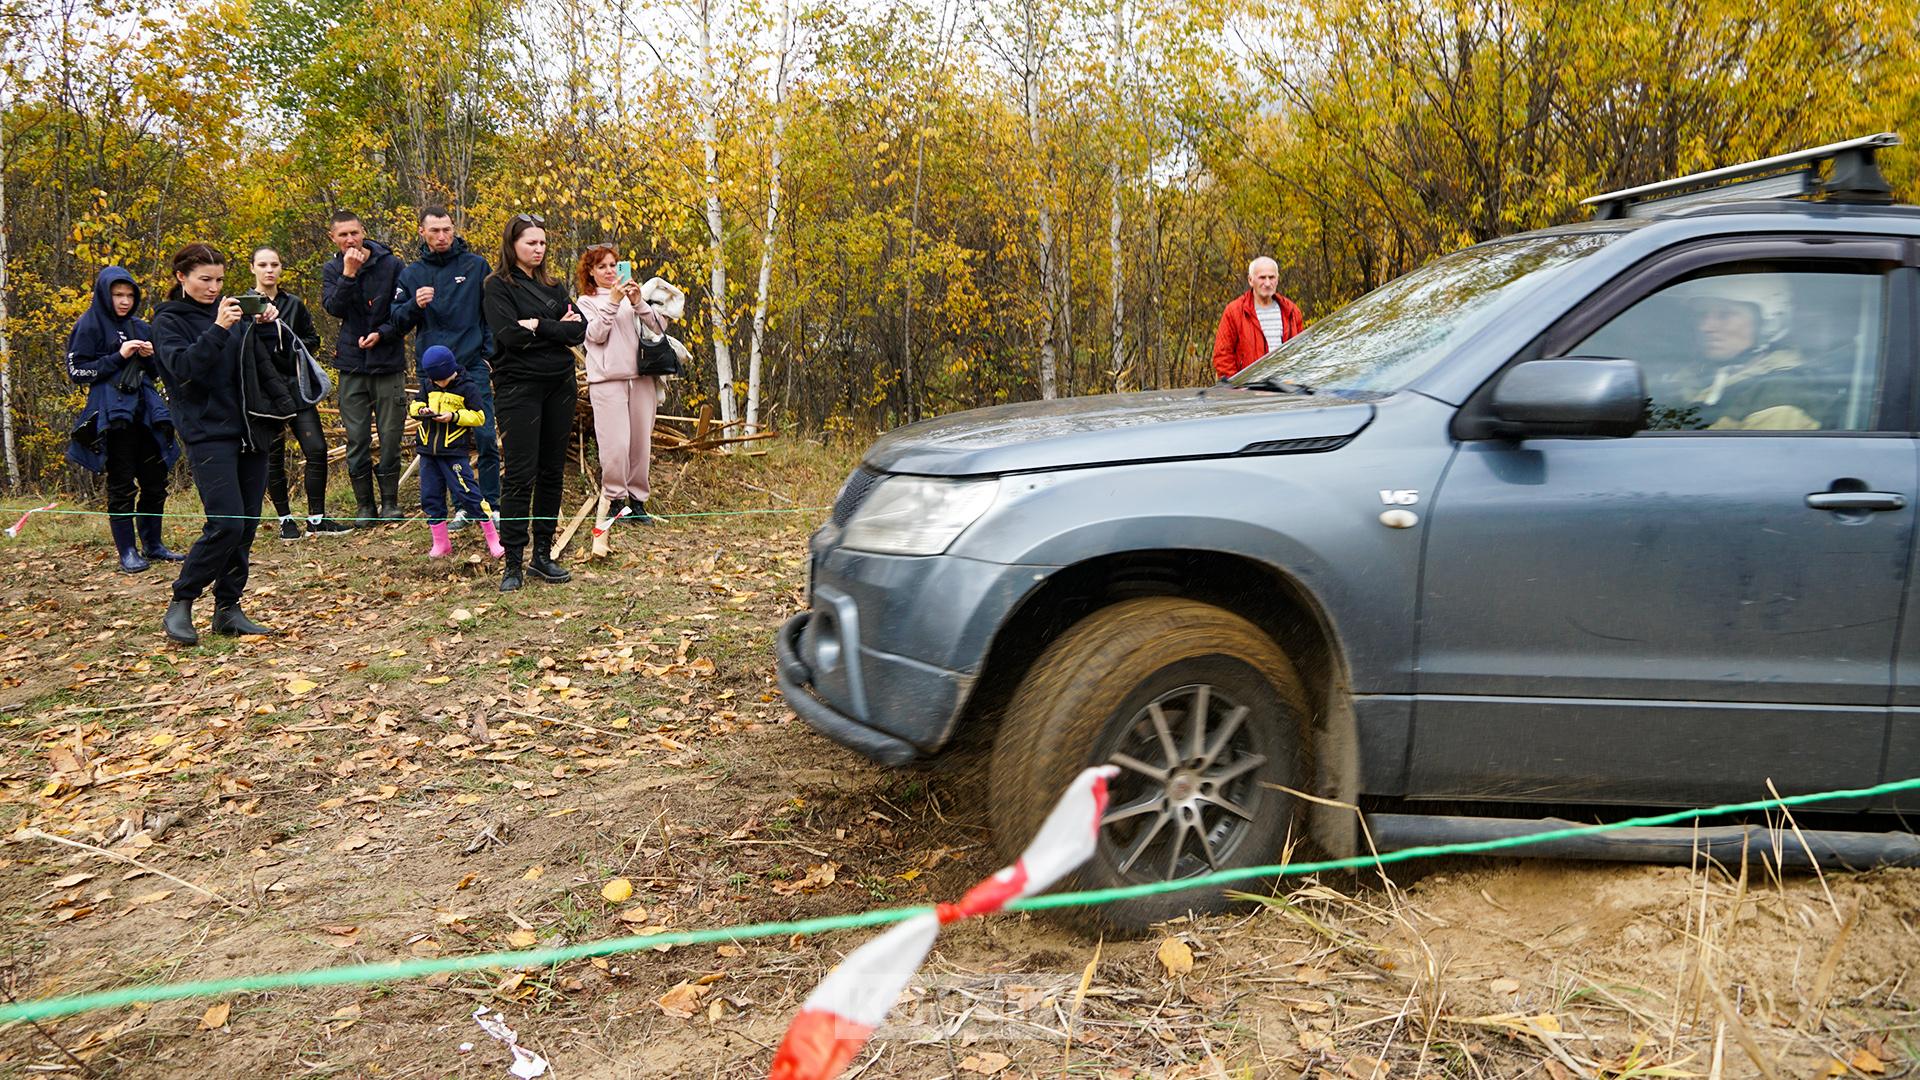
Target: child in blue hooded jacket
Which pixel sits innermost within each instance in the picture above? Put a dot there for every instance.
(446, 412)
(125, 430)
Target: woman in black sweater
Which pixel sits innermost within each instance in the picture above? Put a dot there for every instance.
(294, 342)
(228, 403)
(535, 330)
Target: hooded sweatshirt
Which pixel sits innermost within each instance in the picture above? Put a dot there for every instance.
(454, 318)
(224, 383)
(545, 352)
(94, 361)
(364, 305)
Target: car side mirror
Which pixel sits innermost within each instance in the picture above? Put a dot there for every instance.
(1570, 396)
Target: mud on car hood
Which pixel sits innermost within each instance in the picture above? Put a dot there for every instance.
(1114, 428)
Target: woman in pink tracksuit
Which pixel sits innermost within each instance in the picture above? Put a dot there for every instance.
(627, 359)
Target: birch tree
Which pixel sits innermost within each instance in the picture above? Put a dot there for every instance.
(707, 133)
(768, 234)
(1116, 179)
(6, 346)
(1034, 39)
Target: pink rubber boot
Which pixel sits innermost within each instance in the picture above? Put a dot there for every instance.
(492, 532)
(442, 544)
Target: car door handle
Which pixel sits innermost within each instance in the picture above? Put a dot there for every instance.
(1857, 500)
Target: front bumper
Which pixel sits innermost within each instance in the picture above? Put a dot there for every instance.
(796, 684)
(886, 660)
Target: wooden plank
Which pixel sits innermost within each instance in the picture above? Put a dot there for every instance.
(560, 542)
(706, 422)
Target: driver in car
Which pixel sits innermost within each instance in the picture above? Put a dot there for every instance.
(1755, 381)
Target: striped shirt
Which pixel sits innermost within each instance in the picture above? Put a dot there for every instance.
(1271, 322)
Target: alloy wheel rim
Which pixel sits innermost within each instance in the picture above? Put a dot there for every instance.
(1186, 795)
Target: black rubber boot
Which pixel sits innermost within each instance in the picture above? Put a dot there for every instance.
(510, 576)
(390, 499)
(639, 515)
(179, 623)
(230, 620)
(366, 515)
(543, 567)
(130, 560)
(150, 542)
(615, 507)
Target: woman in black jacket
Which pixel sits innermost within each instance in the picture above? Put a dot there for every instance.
(535, 329)
(294, 342)
(228, 402)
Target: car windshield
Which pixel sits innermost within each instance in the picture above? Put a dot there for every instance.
(1395, 333)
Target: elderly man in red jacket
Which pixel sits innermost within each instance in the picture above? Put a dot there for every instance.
(1256, 322)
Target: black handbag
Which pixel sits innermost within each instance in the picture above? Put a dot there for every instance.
(658, 358)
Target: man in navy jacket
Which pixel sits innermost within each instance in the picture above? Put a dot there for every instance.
(358, 287)
(438, 298)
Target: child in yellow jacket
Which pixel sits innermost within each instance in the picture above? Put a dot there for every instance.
(443, 422)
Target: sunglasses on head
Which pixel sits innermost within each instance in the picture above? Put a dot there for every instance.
(531, 219)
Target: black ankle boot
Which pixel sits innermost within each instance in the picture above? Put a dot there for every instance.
(130, 560)
(510, 576)
(179, 623)
(228, 619)
(546, 569)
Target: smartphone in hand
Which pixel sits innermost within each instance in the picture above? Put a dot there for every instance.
(623, 271)
(251, 305)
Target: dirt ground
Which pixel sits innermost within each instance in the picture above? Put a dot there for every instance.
(423, 767)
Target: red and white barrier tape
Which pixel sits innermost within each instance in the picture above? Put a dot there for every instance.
(851, 1002)
(13, 530)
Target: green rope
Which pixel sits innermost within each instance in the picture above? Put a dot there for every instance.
(394, 971)
(268, 519)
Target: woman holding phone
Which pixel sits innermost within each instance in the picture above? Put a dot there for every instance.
(535, 329)
(228, 402)
(624, 378)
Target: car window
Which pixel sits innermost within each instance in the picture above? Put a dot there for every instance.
(1396, 333)
(1757, 346)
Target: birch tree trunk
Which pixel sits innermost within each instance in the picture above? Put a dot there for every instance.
(1116, 277)
(6, 337)
(708, 132)
(1030, 60)
(773, 217)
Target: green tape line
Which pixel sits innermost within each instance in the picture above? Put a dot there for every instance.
(267, 519)
(399, 970)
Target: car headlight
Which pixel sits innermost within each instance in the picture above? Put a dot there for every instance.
(917, 515)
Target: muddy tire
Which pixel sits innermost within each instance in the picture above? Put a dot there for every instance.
(1200, 709)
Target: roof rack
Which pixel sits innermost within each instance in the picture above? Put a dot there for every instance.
(1851, 177)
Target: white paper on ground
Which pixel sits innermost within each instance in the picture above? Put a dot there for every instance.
(526, 1064)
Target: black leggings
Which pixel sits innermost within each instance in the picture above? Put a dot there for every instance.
(136, 475)
(231, 482)
(536, 422)
(313, 447)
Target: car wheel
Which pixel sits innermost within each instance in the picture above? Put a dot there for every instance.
(1202, 712)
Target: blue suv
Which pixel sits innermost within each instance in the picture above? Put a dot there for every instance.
(1616, 513)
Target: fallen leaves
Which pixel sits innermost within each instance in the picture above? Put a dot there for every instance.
(617, 891)
(991, 1063)
(1175, 956)
(341, 937)
(684, 999)
(1862, 1061)
(523, 939)
(215, 1017)
(818, 876)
